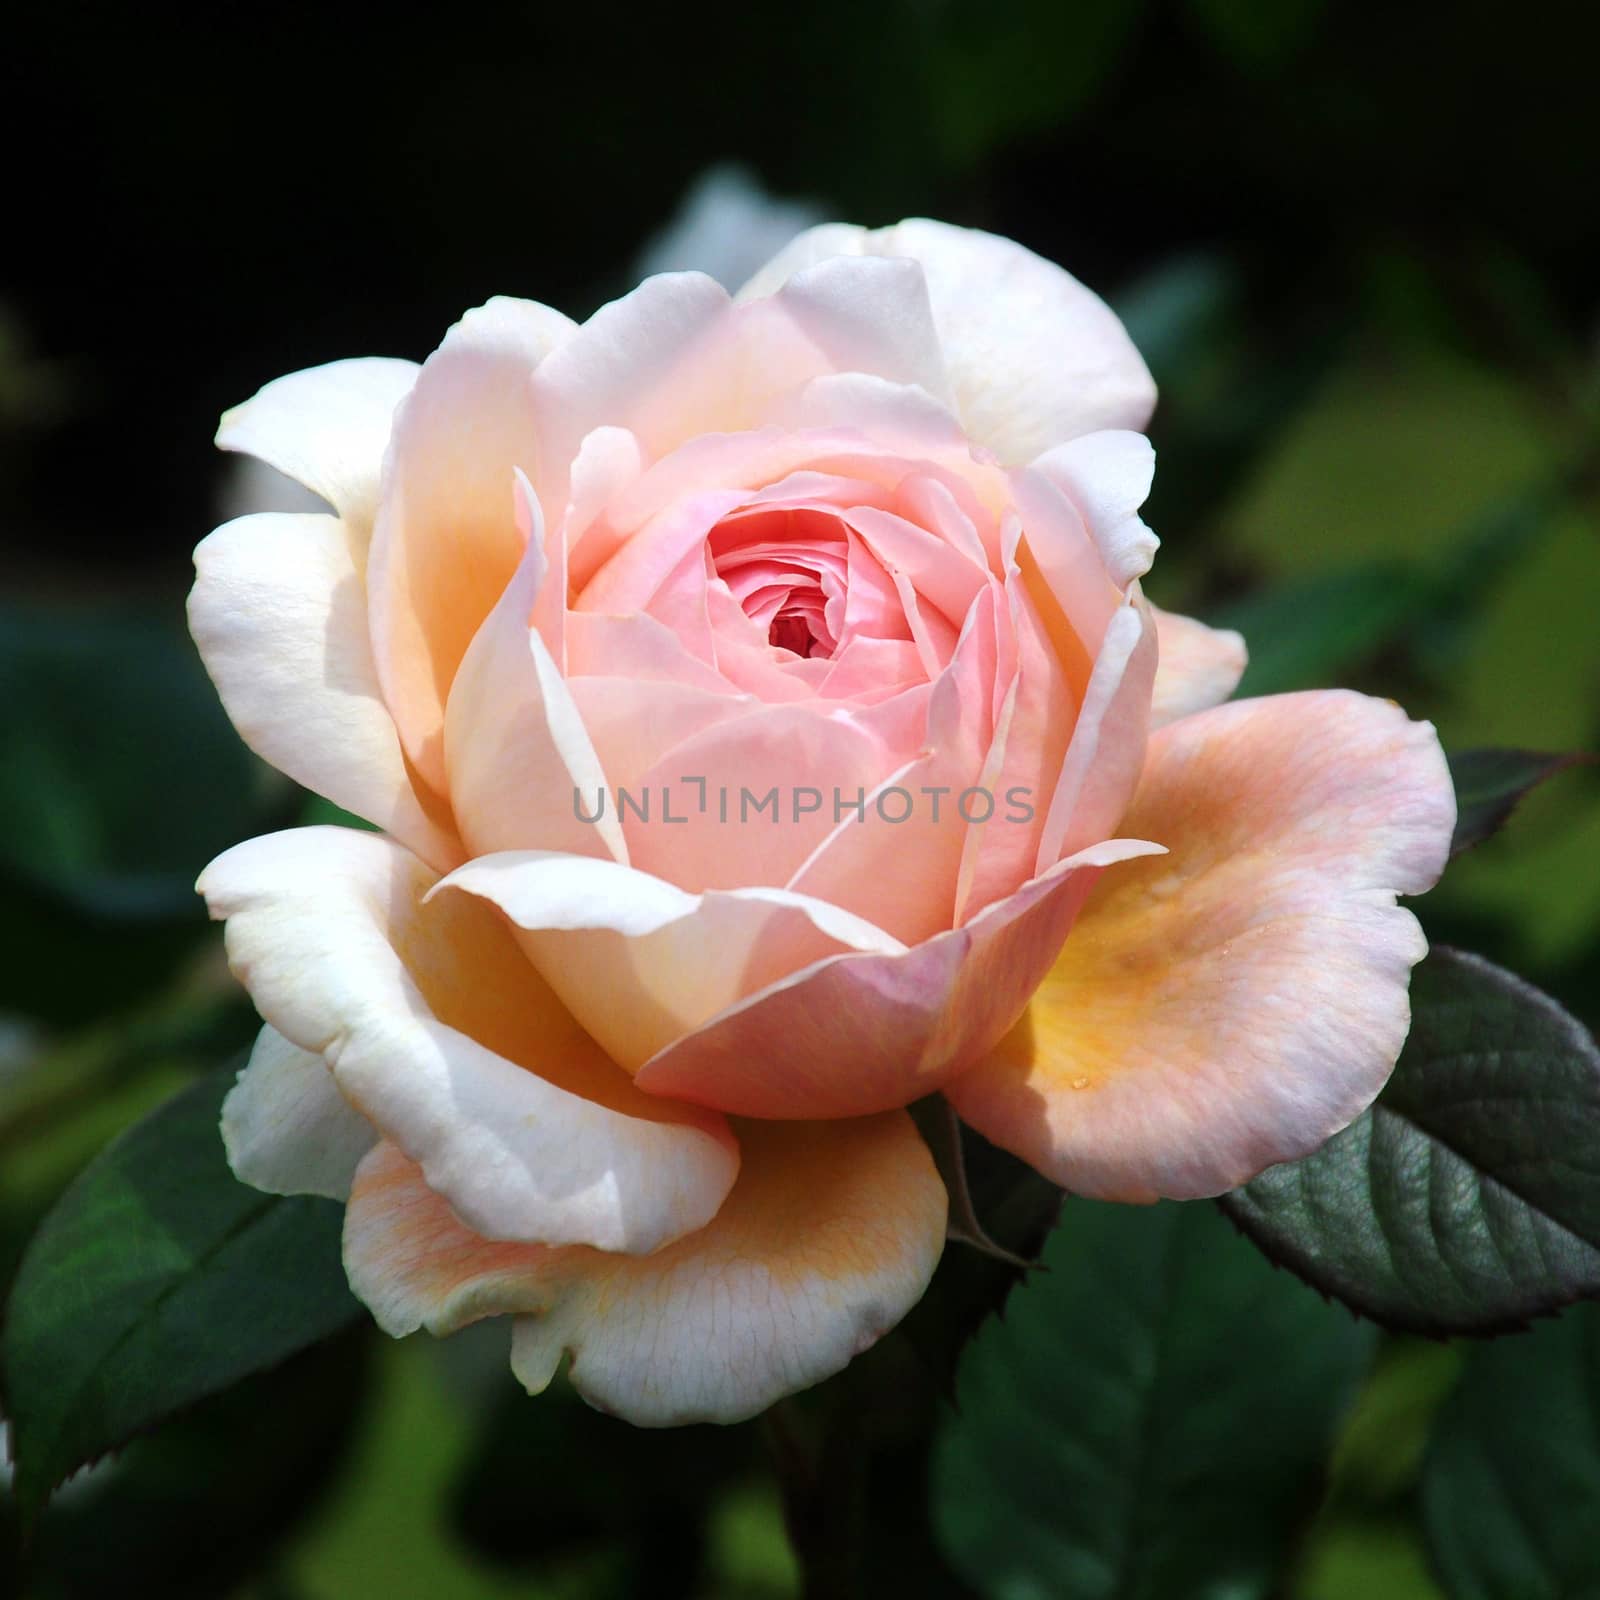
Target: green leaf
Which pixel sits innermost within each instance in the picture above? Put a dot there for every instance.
(1511, 1485)
(1013, 1208)
(187, 1514)
(1467, 1200)
(119, 774)
(157, 1280)
(1150, 1417)
(943, 1133)
(1490, 784)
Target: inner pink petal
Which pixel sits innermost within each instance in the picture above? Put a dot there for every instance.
(797, 556)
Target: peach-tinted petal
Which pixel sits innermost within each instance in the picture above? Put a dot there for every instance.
(1034, 357)
(1199, 667)
(614, 371)
(439, 1032)
(639, 648)
(286, 1127)
(279, 617)
(516, 750)
(1107, 476)
(1107, 749)
(644, 563)
(640, 962)
(446, 540)
(635, 723)
(1022, 769)
(861, 1033)
(1063, 568)
(829, 1237)
(327, 428)
(1240, 1000)
(608, 460)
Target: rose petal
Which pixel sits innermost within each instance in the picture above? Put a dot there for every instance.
(1107, 476)
(640, 962)
(286, 1127)
(1199, 666)
(1106, 754)
(1241, 1000)
(899, 417)
(327, 428)
(516, 750)
(865, 316)
(635, 723)
(899, 860)
(827, 1240)
(439, 1032)
(772, 754)
(446, 540)
(855, 1034)
(612, 371)
(1023, 767)
(1034, 358)
(278, 614)
(675, 360)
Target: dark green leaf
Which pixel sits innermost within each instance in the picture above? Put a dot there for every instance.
(1015, 1209)
(186, 1513)
(1149, 1418)
(1468, 1198)
(157, 1280)
(944, 1135)
(1511, 1485)
(1490, 784)
(119, 774)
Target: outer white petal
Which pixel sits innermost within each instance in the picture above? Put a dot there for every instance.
(1107, 475)
(279, 616)
(440, 1033)
(327, 428)
(516, 751)
(287, 1128)
(1034, 357)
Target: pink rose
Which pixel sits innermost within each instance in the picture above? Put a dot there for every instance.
(767, 730)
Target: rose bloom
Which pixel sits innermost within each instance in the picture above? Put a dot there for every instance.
(636, 1075)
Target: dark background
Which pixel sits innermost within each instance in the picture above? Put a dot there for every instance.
(201, 198)
(1358, 244)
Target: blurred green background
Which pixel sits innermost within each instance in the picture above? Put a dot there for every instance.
(1359, 248)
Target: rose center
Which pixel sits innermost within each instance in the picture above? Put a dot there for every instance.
(790, 631)
(788, 568)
